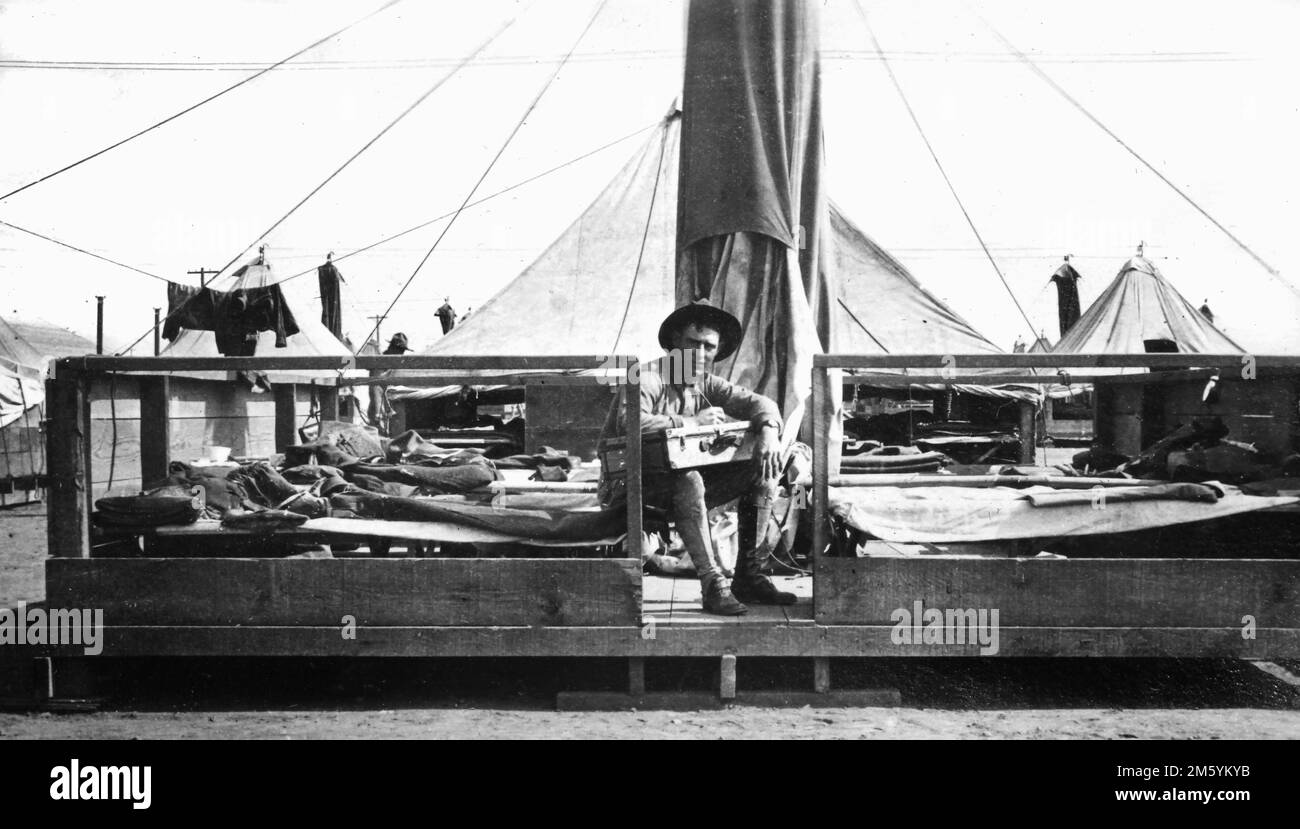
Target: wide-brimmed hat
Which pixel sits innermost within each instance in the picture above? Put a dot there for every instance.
(399, 341)
(702, 312)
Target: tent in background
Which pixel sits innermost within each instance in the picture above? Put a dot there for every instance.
(1140, 312)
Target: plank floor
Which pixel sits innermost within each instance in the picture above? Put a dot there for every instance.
(676, 601)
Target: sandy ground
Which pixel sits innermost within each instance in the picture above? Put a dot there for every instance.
(979, 699)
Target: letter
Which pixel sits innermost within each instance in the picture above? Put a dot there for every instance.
(64, 627)
(36, 625)
(634, 374)
(1099, 497)
(93, 634)
(22, 624)
(949, 369)
(1247, 367)
(142, 794)
(648, 631)
(7, 628)
(990, 633)
(934, 627)
(90, 783)
(917, 613)
(1247, 627)
(902, 632)
(349, 627)
(73, 776)
(59, 788)
(115, 782)
(959, 621)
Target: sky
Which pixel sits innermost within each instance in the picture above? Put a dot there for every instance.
(1204, 91)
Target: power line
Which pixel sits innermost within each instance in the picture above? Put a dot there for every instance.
(82, 250)
(208, 99)
(494, 160)
(477, 202)
(1037, 70)
(354, 156)
(930, 147)
(423, 97)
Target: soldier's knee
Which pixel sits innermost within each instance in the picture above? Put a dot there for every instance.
(690, 484)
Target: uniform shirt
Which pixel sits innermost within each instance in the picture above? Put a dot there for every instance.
(665, 405)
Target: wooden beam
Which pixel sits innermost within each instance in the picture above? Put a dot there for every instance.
(415, 362)
(821, 674)
(328, 396)
(155, 428)
(705, 641)
(915, 479)
(1028, 432)
(632, 402)
(1103, 593)
(393, 591)
(960, 362)
(286, 416)
(67, 454)
(821, 392)
(727, 676)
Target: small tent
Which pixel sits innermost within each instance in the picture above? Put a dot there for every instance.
(1140, 312)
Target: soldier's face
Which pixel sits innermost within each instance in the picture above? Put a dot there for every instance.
(702, 338)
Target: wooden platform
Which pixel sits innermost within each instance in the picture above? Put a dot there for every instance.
(598, 607)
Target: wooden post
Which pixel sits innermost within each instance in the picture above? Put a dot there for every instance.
(329, 402)
(286, 416)
(67, 449)
(727, 676)
(822, 674)
(821, 461)
(155, 429)
(1028, 433)
(632, 399)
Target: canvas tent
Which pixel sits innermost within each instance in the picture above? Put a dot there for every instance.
(312, 340)
(607, 282)
(1139, 309)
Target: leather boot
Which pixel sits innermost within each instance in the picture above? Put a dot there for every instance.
(750, 585)
(719, 600)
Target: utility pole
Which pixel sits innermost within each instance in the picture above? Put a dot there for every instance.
(379, 338)
(157, 328)
(99, 325)
(202, 274)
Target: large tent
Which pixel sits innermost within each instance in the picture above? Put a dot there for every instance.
(1140, 311)
(607, 282)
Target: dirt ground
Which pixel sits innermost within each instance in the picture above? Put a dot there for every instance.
(977, 699)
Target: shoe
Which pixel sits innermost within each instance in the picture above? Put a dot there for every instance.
(719, 601)
(759, 590)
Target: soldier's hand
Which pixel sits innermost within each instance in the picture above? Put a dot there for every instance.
(768, 454)
(710, 416)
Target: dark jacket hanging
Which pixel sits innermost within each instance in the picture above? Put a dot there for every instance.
(331, 308)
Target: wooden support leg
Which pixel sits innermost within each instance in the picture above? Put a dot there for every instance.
(822, 674)
(727, 680)
(636, 676)
(379, 546)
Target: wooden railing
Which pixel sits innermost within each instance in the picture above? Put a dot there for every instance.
(68, 408)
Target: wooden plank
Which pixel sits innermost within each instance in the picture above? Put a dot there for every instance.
(727, 676)
(155, 427)
(821, 674)
(626, 641)
(415, 362)
(915, 479)
(632, 429)
(1231, 363)
(821, 393)
(286, 416)
(412, 591)
(67, 446)
(1065, 593)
